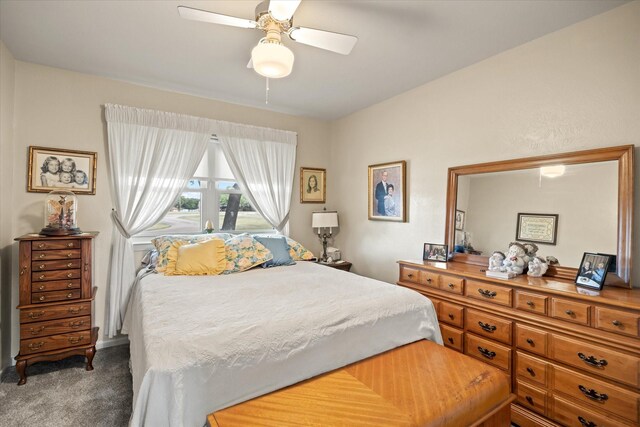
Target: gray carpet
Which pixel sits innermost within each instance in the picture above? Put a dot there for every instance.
(61, 394)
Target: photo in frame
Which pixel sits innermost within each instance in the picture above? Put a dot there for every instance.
(387, 191)
(537, 228)
(593, 270)
(459, 219)
(58, 169)
(435, 252)
(313, 185)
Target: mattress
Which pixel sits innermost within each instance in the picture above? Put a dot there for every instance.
(202, 343)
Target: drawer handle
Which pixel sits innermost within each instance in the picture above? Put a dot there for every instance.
(70, 295)
(530, 341)
(487, 327)
(70, 285)
(586, 423)
(592, 394)
(70, 275)
(487, 293)
(529, 399)
(451, 316)
(487, 353)
(41, 287)
(74, 340)
(570, 313)
(592, 361)
(36, 331)
(42, 266)
(42, 276)
(36, 345)
(75, 310)
(69, 255)
(616, 323)
(531, 304)
(42, 256)
(429, 280)
(410, 275)
(70, 244)
(70, 265)
(23, 270)
(41, 245)
(531, 372)
(76, 324)
(451, 285)
(450, 340)
(41, 298)
(35, 314)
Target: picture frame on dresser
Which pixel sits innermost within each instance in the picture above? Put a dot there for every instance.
(593, 270)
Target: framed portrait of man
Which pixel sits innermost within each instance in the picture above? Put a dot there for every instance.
(387, 192)
(593, 270)
(313, 183)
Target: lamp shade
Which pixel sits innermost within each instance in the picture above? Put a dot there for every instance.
(324, 219)
(272, 59)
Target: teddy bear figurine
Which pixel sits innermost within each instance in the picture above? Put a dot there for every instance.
(531, 249)
(495, 261)
(537, 267)
(514, 261)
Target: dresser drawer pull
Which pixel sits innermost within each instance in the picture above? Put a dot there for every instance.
(76, 324)
(41, 287)
(70, 295)
(586, 423)
(42, 276)
(531, 304)
(616, 323)
(487, 293)
(429, 280)
(70, 244)
(592, 394)
(70, 285)
(529, 399)
(42, 256)
(75, 310)
(74, 340)
(487, 327)
(450, 340)
(570, 313)
(41, 245)
(42, 266)
(531, 372)
(70, 275)
(410, 275)
(451, 285)
(23, 270)
(36, 345)
(70, 265)
(592, 361)
(69, 255)
(36, 331)
(451, 316)
(487, 353)
(41, 298)
(35, 315)
(530, 341)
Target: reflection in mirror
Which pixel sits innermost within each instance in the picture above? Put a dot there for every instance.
(584, 196)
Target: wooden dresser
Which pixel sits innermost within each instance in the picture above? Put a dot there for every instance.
(56, 299)
(573, 359)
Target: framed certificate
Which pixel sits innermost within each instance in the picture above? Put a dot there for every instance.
(539, 228)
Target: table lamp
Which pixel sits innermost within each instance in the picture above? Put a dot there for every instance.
(322, 221)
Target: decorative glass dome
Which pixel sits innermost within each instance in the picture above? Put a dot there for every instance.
(60, 209)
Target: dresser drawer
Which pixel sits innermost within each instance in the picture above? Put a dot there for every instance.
(494, 294)
(618, 321)
(428, 278)
(531, 339)
(531, 397)
(53, 327)
(488, 326)
(39, 276)
(54, 312)
(531, 302)
(596, 394)
(55, 285)
(571, 311)
(488, 351)
(531, 368)
(55, 265)
(451, 313)
(408, 274)
(55, 244)
(56, 254)
(40, 297)
(451, 284)
(595, 359)
(54, 342)
(452, 337)
(573, 415)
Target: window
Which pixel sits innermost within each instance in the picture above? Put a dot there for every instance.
(213, 194)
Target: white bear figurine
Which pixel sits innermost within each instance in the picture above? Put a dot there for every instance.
(495, 261)
(514, 262)
(537, 267)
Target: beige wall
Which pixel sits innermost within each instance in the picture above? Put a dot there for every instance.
(7, 64)
(63, 109)
(577, 88)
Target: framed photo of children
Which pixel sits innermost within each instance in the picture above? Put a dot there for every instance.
(387, 192)
(593, 270)
(434, 252)
(313, 185)
(56, 169)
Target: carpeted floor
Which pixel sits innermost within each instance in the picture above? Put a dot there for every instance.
(61, 394)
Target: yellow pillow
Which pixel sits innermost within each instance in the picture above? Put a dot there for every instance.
(200, 258)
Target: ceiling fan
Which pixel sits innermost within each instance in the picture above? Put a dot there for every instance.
(271, 58)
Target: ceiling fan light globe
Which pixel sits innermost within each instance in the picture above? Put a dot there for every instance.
(272, 60)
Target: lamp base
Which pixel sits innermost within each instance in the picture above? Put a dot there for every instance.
(53, 231)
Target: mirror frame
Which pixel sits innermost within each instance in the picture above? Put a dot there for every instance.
(622, 154)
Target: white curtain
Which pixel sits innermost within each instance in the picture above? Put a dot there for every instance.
(152, 156)
(263, 162)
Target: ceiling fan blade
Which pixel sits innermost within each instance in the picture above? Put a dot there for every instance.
(335, 42)
(283, 10)
(250, 64)
(214, 18)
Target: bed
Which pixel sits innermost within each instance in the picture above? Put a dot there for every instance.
(203, 343)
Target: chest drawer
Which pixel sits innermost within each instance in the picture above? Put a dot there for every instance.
(55, 285)
(451, 284)
(452, 337)
(55, 244)
(488, 326)
(40, 297)
(531, 368)
(39, 276)
(532, 397)
(488, 351)
(54, 342)
(494, 294)
(54, 312)
(595, 359)
(618, 321)
(56, 254)
(531, 302)
(428, 278)
(53, 327)
(55, 265)
(595, 393)
(574, 415)
(451, 313)
(409, 274)
(571, 311)
(532, 340)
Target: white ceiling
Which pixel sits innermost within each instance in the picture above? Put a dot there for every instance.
(402, 44)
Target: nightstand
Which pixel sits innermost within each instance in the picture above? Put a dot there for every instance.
(346, 266)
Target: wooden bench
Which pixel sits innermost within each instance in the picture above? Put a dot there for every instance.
(419, 384)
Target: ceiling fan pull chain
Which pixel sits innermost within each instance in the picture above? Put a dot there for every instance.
(266, 92)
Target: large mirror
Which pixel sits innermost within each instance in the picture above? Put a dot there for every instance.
(567, 204)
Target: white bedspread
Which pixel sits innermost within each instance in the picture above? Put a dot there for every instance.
(202, 343)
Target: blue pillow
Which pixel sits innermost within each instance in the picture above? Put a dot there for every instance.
(279, 249)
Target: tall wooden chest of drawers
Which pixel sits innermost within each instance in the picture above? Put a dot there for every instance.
(56, 299)
(573, 359)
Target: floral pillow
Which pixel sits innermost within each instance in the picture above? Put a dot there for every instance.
(244, 252)
(298, 252)
(164, 243)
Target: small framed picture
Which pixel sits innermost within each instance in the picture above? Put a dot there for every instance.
(459, 219)
(537, 228)
(313, 185)
(593, 270)
(435, 252)
(387, 191)
(57, 169)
